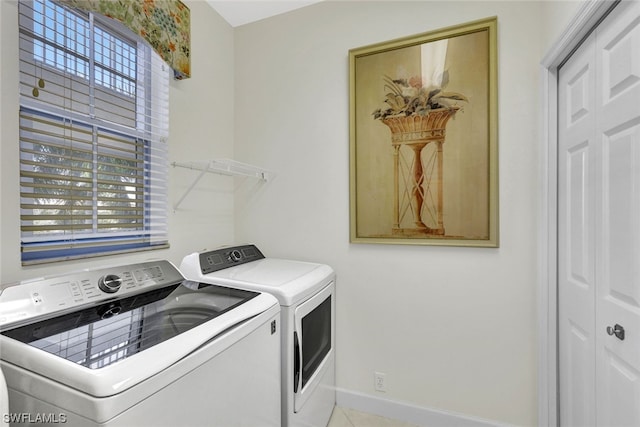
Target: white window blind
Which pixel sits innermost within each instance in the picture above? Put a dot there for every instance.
(94, 107)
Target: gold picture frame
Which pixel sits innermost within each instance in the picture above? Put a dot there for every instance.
(423, 138)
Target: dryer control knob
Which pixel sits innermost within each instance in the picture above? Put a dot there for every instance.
(235, 255)
(110, 283)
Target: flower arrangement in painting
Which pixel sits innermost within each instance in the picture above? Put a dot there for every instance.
(409, 97)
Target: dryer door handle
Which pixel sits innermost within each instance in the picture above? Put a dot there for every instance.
(296, 362)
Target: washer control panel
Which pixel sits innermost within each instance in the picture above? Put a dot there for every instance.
(42, 297)
(219, 259)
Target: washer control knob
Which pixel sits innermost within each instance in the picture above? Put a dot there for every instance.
(235, 255)
(110, 283)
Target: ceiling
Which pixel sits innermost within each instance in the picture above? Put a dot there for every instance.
(240, 12)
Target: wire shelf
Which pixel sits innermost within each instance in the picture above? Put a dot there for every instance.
(221, 167)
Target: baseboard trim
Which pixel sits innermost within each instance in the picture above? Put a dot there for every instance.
(408, 413)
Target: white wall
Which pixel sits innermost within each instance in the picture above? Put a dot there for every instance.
(201, 127)
(556, 16)
(453, 328)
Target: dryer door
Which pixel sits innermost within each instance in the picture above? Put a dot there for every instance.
(313, 343)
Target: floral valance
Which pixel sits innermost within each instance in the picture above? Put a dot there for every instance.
(164, 24)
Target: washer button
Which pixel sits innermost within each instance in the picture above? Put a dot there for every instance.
(110, 283)
(235, 255)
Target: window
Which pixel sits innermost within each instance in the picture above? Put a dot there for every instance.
(93, 136)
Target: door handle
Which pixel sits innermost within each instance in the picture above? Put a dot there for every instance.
(296, 362)
(617, 330)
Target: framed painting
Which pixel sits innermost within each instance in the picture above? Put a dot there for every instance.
(423, 138)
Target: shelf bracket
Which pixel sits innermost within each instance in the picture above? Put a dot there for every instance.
(222, 167)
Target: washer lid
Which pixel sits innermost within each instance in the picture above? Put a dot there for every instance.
(96, 337)
(288, 280)
(106, 349)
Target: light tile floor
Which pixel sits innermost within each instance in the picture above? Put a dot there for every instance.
(345, 417)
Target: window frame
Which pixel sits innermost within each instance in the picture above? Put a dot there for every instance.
(62, 245)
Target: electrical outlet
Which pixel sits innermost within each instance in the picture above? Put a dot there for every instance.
(380, 381)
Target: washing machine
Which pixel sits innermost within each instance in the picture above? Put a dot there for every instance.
(4, 401)
(138, 345)
(306, 293)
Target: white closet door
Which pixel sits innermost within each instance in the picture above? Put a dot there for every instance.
(599, 226)
(576, 239)
(618, 222)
